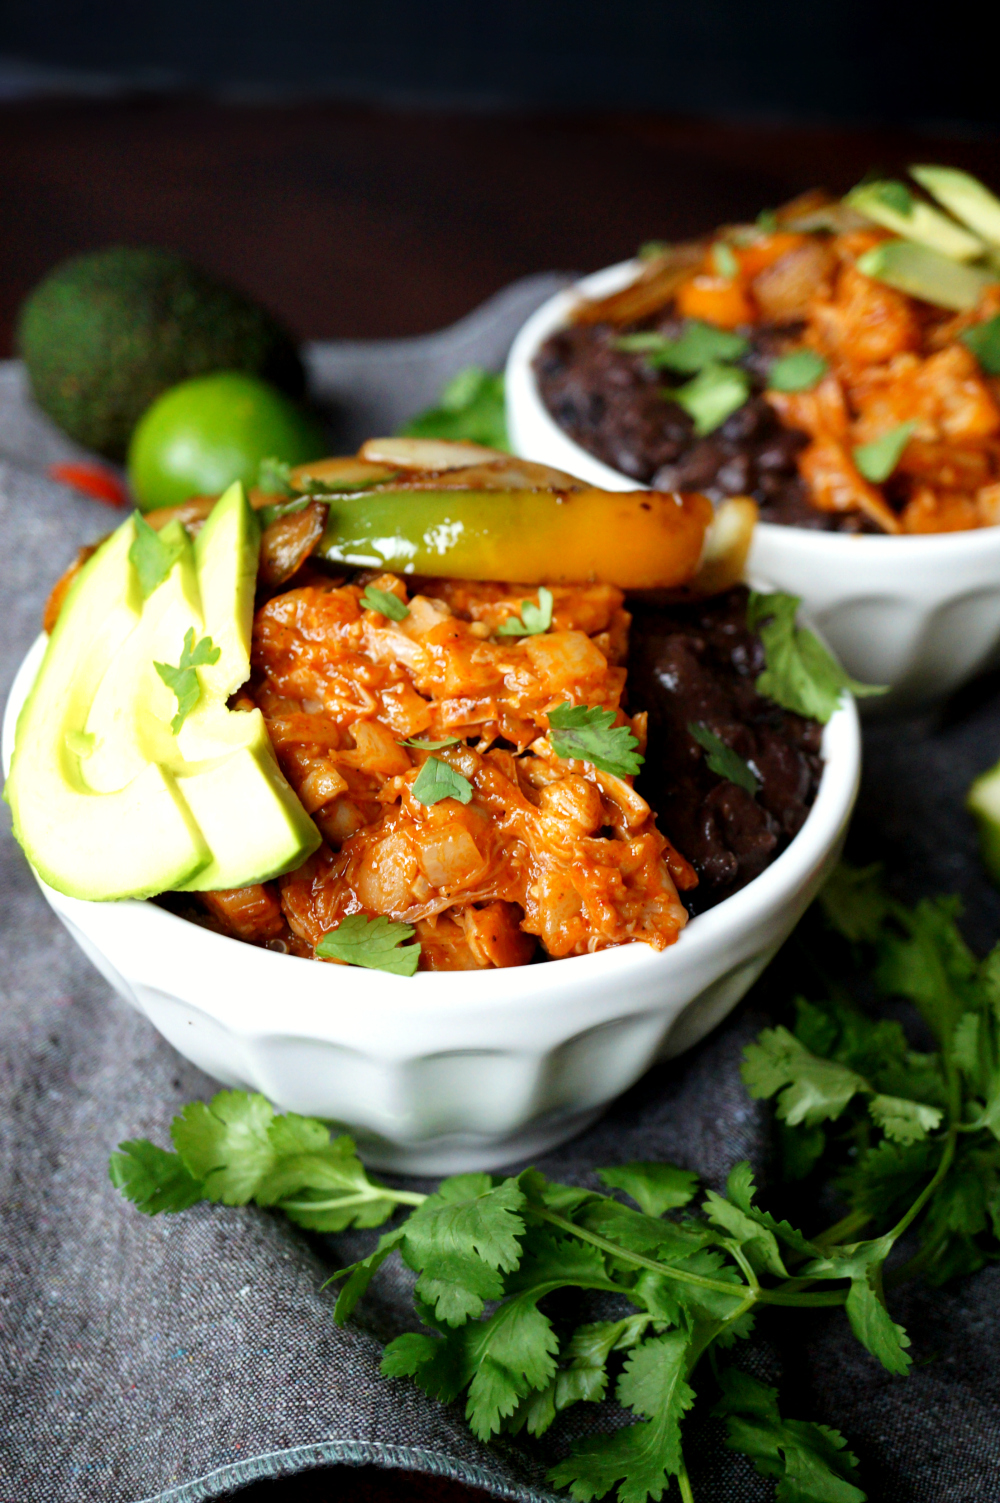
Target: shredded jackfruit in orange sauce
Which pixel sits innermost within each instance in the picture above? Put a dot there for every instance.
(892, 360)
(546, 852)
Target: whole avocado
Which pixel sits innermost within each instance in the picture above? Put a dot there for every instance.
(105, 333)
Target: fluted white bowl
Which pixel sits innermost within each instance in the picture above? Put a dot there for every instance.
(920, 614)
(448, 1071)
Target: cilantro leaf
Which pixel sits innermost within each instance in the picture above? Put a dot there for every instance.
(809, 1089)
(758, 1242)
(582, 1375)
(153, 554)
(586, 733)
(274, 513)
(274, 477)
(432, 745)
(877, 460)
(931, 965)
(359, 1275)
(655, 1187)
(385, 602)
(724, 261)
(855, 903)
(799, 370)
(810, 1462)
(225, 1144)
(904, 1121)
(984, 342)
(533, 618)
(437, 780)
(801, 675)
(712, 396)
(183, 680)
(643, 1456)
(460, 1240)
(700, 345)
(722, 760)
(471, 407)
(741, 1190)
(377, 944)
(862, 1263)
(318, 1183)
(153, 1179)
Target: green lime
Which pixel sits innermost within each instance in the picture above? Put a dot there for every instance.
(200, 436)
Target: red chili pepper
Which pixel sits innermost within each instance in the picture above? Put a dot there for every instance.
(93, 480)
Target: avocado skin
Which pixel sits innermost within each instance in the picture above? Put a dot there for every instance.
(105, 333)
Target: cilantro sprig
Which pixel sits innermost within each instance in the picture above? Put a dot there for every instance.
(722, 760)
(912, 1138)
(437, 780)
(378, 944)
(153, 554)
(533, 618)
(385, 603)
(586, 733)
(183, 680)
(801, 674)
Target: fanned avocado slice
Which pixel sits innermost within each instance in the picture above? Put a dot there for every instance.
(132, 842)
(965, 197)
(892, 205)
(113, 794)
(924, 273)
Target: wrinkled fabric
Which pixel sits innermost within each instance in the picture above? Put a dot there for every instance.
(175, 1358)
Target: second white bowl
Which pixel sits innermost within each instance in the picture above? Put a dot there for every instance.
(921, 614)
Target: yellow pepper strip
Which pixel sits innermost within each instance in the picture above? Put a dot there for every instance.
(634, 539)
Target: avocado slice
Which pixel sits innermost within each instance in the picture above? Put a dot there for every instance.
(965, 197)
(135, 841)
(240, 820)
(892, 205)
(926, 274)
(983, 802)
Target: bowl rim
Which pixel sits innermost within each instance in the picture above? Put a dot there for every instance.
(449, 993)
(522, 389)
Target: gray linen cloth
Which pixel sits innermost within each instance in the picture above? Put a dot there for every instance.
(180, 1357)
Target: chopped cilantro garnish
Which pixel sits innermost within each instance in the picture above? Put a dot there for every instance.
(385, 602)
(153, 554)
(877, 460)
(183, 680)
(767, 220)
(278, 509)
(376, 943)
(437, 780)
(798, 371)
(585, 733)
(699, 346)
(533, 618)
(431, 745)
(722, 760)
(984, 342)
(712, 396)
(274, 477)
(652, 248)
(801, 674)
(724, 260)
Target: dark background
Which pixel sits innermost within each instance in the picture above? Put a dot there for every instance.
(378, 170)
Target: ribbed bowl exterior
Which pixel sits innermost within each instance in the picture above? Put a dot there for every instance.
(449, 1071)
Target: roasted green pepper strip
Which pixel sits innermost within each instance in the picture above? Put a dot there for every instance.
(633, 539)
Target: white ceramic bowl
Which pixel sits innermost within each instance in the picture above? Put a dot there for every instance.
(444, 1072)
(921, 614)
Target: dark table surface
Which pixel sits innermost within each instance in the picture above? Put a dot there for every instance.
(357, 223)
